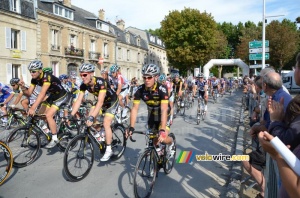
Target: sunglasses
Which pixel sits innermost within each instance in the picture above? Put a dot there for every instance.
(33, 71)
(13, 85)
(83, 75)
(147, 77)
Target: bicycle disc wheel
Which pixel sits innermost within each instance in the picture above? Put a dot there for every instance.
(169, 155)
(6, 161)
(118, 144)
(79, 158)
(145, 174)
(24, 144)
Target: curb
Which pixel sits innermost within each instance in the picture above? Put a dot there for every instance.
(234, 184)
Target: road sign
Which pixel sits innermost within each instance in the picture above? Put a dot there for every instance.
(258, 50)
(257, 66)
(258, 56)
(258, 44)
(101, 60)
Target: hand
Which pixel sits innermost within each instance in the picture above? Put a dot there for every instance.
(180, 93)
(129, 132)
(31, 111)
(162, 135)
(264, 139)
(89, 123)
(276, 109)
(253, 89)
(21, 83)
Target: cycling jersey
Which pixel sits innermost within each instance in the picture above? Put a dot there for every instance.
(153, 98)
(176, 85)
(201, 85)
(48, 78)
(100, 85)
(214, 83)
(5, 91)
(119, 79)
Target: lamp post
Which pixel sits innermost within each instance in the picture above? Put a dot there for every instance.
(264, 35)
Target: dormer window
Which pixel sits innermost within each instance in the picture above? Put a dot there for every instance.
(138, 42)
(127, 38)
(15, 5)
(98, 25)
(63, 12)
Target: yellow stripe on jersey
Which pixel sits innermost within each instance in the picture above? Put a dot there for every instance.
(164, 101)
(136, 101)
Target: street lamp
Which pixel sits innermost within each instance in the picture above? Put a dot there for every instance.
(264, 33)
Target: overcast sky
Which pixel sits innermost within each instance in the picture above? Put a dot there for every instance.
(146, 14)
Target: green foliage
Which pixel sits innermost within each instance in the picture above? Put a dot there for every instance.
(155, 32)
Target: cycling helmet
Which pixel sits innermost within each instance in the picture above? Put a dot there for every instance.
(103, 71)
(175, 75)
(48, 70)
(114, 68)
(190, 79)
(14, 81)
(162, 78)
(150, 69)
(63, 77)
(35, 65)
(200, 75)
(87, 67)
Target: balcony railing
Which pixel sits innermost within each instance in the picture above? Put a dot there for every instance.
(73, 51)
(94, 55)
(55, 47)
(106, 55)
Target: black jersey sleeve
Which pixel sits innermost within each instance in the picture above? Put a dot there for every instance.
(138, 94)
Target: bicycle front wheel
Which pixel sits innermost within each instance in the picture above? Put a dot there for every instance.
(169, 155)
(24, 144)
(79, 157)
(145, 174)
(6, 161)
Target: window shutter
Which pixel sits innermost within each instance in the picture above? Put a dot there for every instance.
(24, 73)
(23, 40)
(8, 72)
(8, 37)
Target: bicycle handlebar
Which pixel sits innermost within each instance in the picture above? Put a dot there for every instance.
(138, 132)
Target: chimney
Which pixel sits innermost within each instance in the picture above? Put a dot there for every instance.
(121, 24)
(67, 3)
(101, 14)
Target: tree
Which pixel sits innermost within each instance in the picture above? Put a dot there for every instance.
(155, 32)
(284, 42)
(189, 37)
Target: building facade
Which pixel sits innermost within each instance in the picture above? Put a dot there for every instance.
(18, 26)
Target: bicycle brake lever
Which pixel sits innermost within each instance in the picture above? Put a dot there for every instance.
(132, 140)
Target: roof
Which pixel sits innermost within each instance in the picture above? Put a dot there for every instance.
(27, 8)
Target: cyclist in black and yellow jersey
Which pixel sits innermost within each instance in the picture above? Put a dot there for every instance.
(155, 95)
(106, 99)
(178, 84)
(57, 96)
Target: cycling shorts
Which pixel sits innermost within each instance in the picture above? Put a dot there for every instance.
(57, 101)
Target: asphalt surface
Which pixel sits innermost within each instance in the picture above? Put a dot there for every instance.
(217, 134)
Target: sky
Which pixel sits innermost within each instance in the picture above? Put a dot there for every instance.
(148, 14)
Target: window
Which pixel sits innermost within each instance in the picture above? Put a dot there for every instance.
(139, 42)
(98, 25)
(14, 39)
(106, 55)
(55, 68)
(73, 40)
(54, 39)
(138, 57)
(60, 11)
(15, 71)
(128, 38)
(119, 53)
(93, 46)
(15, 5)
(128, 55)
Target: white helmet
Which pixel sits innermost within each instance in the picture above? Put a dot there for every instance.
(35, 65)
(87, 67)
(151, 69)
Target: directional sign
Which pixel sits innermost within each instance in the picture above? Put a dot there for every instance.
(257, 44)
(258, 50)
(257, 66)
(258, 56)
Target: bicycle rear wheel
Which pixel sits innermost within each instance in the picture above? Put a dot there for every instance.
(24, 144)
(118, 141)
(145, 174)
(79, 157)
(66, 134)
(6, 162)
(169, 155)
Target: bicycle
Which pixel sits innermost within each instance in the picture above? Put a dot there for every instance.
(79, 154)
(26, 141)
(200, 109)
(6, 162)
(178, 106)
(215, 96)
(150, 162)
(14, 118)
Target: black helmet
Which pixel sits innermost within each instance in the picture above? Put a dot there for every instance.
(14, 81)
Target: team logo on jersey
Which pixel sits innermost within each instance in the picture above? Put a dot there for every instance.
(163, 89)
(146, 97)
(99, 81)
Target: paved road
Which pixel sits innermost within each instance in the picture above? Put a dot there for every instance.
(217, 134)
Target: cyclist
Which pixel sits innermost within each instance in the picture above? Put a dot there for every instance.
(16, 89)
(202, 87)
(215, 86)
(222, 86)
(57, 96)
(107, 78)
(7, 95)
(156, 97)
(190, 86)
(106, 99)
(121, 87)
(162, 79)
